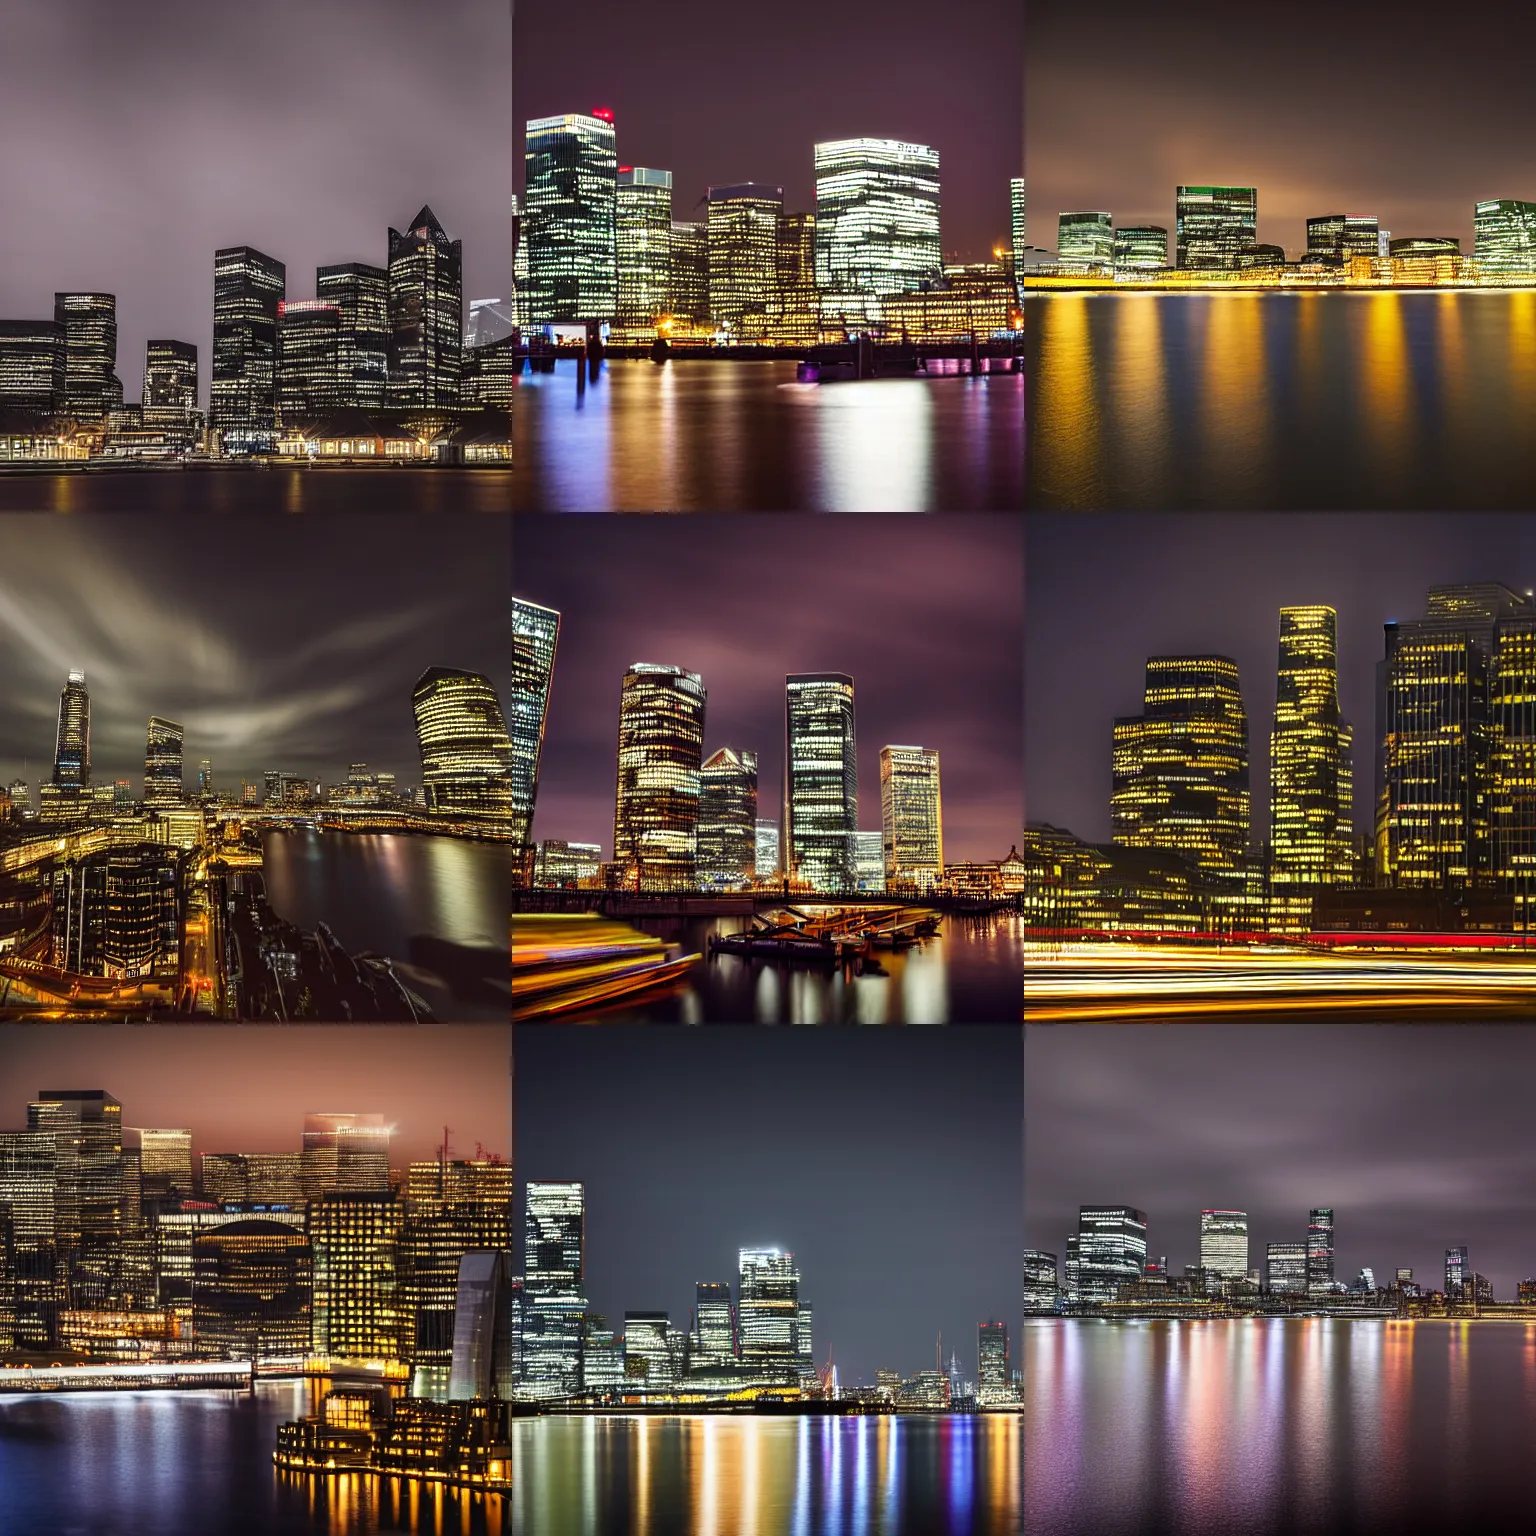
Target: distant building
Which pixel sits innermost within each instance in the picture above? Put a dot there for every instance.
(743, 236)
(1086, 241)
(656, 800)
(360, 294)
(569, 220)
(727, 833)
(162, 763)
(821, 780)
(1215, 225)
(643, 239)
(535, 636)
(1285, 1268)
(1042, 1291)
(1224, 1244)
(562, 865)
(1319, 1251)
(170, 383)
(1141, 248)
(426, 316)
(1504, 238)
(308, 359)
(32, 366)
(911, 818)
(89, 324)
(359, 1311)
(248, 286)
(465, 749)
(1111, 1250)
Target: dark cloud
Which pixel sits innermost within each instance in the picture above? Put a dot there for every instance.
(1414, 123)
(1105, 593)
(721, 94)
(248, 1089)
(275, 644)
(922, 613)
(145, 137)
(1415, 1135)
(889, 1166)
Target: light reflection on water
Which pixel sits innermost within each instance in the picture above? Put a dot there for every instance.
(380, 891)
(1272, 1425)
(728, 436)
(727, 1476)
(1289, 401)
(972, 973)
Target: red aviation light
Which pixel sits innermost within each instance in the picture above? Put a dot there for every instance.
(606, 113)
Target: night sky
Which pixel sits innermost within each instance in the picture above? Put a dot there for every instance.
(247, 1089)
(156, 133)
(922, 613)
(1105, 593)
(888, 1163)
(1365, 112)
(275, 643)
(722, 94)
(1417, 1136)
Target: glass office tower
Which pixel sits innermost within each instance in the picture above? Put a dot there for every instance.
(465, 750)
(1085, 241)
(821, 781)
(89, 323)
(1111, 1250)
(911, 818)
(727, 837)
(1224, 1244)
(426, 315)
(877, 224)
(743, 242)
(1215, 226)
(656, 798)
(248, 286)
(569, 225)
(361, 296)
(644, 244)
(535, 635)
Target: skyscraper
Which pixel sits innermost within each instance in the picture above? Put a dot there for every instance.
(554, 1261)
(1215, 226)
(32, 367)
(1042, 1291)
(308, 359)
(767, 865)
(727, 835)
(743, 235)
(714, 1324)
(170, 383)
(1310, 780)
(359, 1305)
(1319, 1250)
(1504, 237)
(1111, 1249)
(1285, 1268)
(643, 240)
(1458, 1270)
(1435, 799)
(821, 780)
(535, 635)
(89, 324)
(165, 1163)
(877, 223)
(1335, 237)
(426, 315)
(361, 296)
(1086, 240)
(345, 1152)
(87, 1130)
(689, 296)
(768, 1311)
(911, 817)
(1181, 766)
(1224, 1244)
(162, 763)
(465, 750)
(1141, 248)
(656, 799)
(994, 1382)
(247, 288)
(1016, 227)
(570, 219)
(72, 753)
(795, 311)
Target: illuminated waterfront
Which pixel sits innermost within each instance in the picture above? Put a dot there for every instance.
(712, 435)
(810, 1477)
(169, 1463)
(968, 974)
(1284, 401)
(234, 490)
(1081, 983)
(1285, 1425)
(389, 893)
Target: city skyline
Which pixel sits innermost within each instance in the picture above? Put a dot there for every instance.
(1410, 1136)
(773, 100)
(246, 640)
(1275, 126)
(206, 169)
(249, 1089)
(707, 597)
(898, 1239)
(1196, 586)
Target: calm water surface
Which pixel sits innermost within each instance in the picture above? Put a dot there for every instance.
(1258, 1426)
(715, 1476)
(218, 491)
(703, 436)
(198, 1464)
(387, 892)
(1284, 401)
(971, 973)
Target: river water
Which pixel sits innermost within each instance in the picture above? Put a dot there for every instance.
(388, 892)
(971, 973)
(1262, 1426)
(1285, 401)
(715, 436)
(200, 1464)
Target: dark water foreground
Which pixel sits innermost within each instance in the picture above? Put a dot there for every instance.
(1278, 1425)
(1284, 401)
